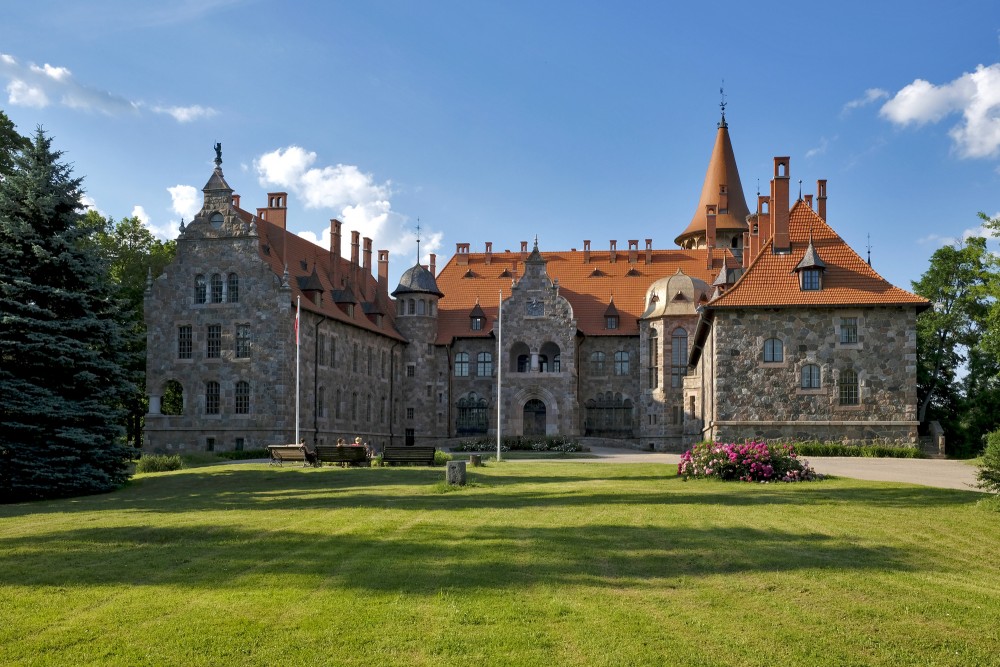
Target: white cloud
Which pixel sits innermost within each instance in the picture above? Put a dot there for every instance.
(824, 143)
(355, 198)
(187, 114)
(90, 204)
(37, 85)
(871, 95)
(165, 232)
(976, 96)
(20, 94)
(184, 201)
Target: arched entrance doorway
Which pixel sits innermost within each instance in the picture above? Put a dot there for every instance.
(534, 417)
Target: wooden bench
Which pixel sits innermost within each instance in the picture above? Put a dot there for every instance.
(347, 454)
(282, 453)
(411, 454)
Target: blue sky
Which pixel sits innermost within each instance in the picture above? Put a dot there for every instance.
(496, 121)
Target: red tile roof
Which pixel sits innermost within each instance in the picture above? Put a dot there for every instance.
(588, 287)
(770, 279)
(279, 247)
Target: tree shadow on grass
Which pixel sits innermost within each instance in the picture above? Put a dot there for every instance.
(414, 489)
(425, 557)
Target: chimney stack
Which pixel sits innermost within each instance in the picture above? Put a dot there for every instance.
(277, 208)
(809, 200)
(335, 252)
(614, 250)
(633, 251)
(779, 205)
(236, 200)
(586, 251)
(649, 251)
(709, 232)
(524, 250)
(461, 254)
(821, 198)
(383, 273)
(355, 247)
(723, 199)
(433, 268)
(489, 253)
(367, 250)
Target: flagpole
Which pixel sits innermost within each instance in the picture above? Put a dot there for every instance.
(298, 312)
(499, 369)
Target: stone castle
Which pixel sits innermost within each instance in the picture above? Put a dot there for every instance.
(759, 324)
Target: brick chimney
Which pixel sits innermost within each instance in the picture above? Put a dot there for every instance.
(524, 250)
(366, 249)
(649, 251)
(236, 200)
(489, 253)
(383, 273)
(633, 251)
(462, 254)
(335, 252)
(433, 268)
(809, 200)
(821, 198)
(779, 204)
(723, 199)
(613, 252)
(586, 251)
(277, 209)
(710, 215)
(355, 247)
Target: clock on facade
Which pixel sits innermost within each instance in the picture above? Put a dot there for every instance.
(534, 307)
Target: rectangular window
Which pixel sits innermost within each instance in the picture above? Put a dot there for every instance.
(240, 442)
(212, 398)
(477, 324)
(409, 413)
(210, 444)
(411, 370)
(242, 341)
(214, 341)
(242, 397)
(184, 341)
(848, 388)
(611, 322)
(848, 330)
(810, 279)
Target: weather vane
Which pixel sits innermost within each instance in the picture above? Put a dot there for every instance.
(722, 103)
(418, 240)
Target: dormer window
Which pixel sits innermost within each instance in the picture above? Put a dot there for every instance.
(611, 322)
(811, 279)
(476, 323)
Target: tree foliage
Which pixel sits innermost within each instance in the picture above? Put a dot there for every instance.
(63, 352)
(132, 254)
(10, 144)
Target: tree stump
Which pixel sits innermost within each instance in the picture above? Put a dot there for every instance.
(455, 473)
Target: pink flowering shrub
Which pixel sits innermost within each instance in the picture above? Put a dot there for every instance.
(747, 462)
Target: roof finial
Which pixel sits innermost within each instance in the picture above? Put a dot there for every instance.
(722, 104)
(869, 250)
(418, 240)
(800, 189)
(218, 154)
(536, 241)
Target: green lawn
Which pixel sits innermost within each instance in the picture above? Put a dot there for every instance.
(536, 563)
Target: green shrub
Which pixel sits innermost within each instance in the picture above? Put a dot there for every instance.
(873, 450)
(441, 457)
(376, 461)
(553, 443)
(158, 463)
(989, 467)
(244, 455)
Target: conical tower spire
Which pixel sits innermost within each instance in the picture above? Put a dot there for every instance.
(722, 189)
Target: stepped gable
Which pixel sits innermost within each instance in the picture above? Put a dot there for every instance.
(771, 281)
(279, 247)
(732, 207)
(587, 285)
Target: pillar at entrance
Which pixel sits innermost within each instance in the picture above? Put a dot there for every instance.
(154, 405)
(534, 362)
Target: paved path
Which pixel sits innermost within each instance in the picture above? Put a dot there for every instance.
(941, 473)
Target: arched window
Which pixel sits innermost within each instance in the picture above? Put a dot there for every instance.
(848, 386)
(597, 363)
(621, 363)
(678, 357)
(484, 364)
(172, 401)
(233, 293)
(472, 415)
(654, 359)
(810, 376)
(774, 351)
(243, 397)
(321, 402)
(547, 358)
(462, 365)
(212, 398)
(411, 307)
(421, 306)
(520, 358)
(216, 288)
(200, 293)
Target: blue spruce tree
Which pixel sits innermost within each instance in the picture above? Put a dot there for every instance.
(62, 348)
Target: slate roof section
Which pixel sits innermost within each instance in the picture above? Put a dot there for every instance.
(418, 280)
(771, 281)
(587, 286)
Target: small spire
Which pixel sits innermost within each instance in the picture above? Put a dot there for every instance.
(869, 250)
(182, 225)
(800, 199)
(218, 154)
(722, 104)
(418, 240)
(536, 241)
(149, 279)
(284, 278)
